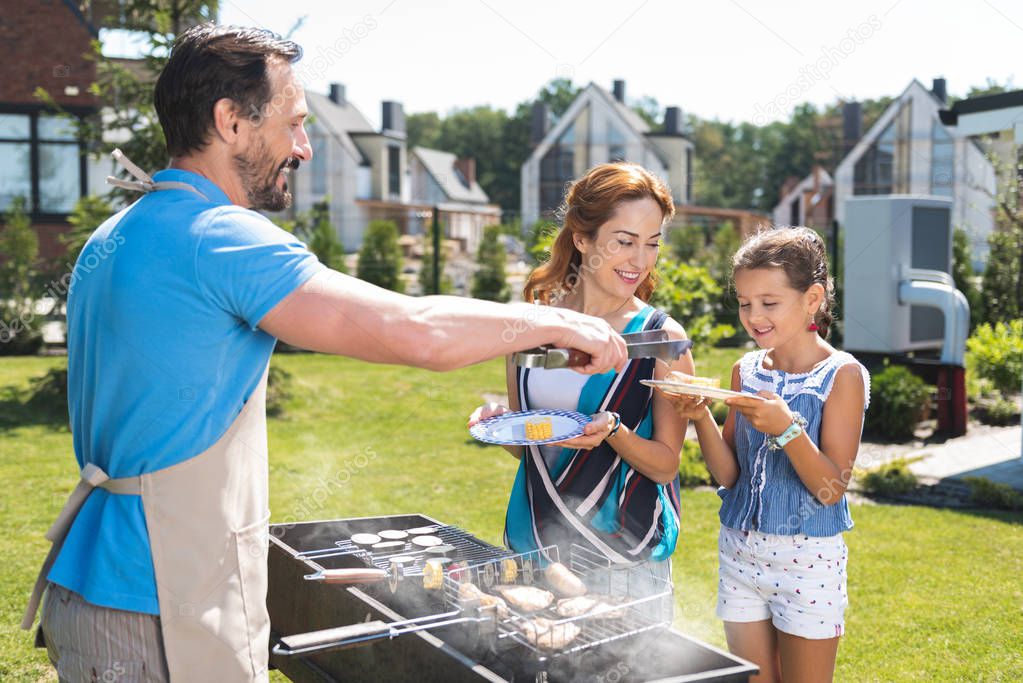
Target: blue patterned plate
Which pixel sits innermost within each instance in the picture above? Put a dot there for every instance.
(510, 429)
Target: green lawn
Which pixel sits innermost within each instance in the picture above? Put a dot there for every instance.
(935, 594)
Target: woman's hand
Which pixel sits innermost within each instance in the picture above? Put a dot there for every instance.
(594, 433)
(486, 410)
(693, 408)
(766, 411)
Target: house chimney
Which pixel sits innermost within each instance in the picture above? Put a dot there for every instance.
(940, 90)
(392, 117)
(619, 91)
(337, 94)
(673, 121)
(539, 123)
(852, 125)
(467, 167)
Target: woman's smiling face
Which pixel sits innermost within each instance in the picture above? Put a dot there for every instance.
(624, 250)
(770, 309)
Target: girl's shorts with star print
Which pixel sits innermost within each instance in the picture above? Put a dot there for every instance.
(798, 582)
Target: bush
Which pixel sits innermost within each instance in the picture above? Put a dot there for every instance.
(897, 403)
(692, 471)
(1000, 285)
(47, 394)
(278, 390)
(889, 480)
(380, 256)
(19, 274)
(962, 274)
(539, 241)
(987, 493)
(489, 281)
(998, 410)
(720, 412)
(996, 354)
(689, 294)
(687, 242)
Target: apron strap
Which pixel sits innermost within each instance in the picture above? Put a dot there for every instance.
(143, 181)
(91, 478)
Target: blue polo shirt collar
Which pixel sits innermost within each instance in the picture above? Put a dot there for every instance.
(209, 188)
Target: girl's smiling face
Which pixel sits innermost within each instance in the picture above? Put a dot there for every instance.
(770, 309)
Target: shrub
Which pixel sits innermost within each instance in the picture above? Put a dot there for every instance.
(720, 412)
(278, 390)
(1000, 285)
(987, 493)
(996, 354)
(898, 401)
(689, 295)
(380, 256)
(692, 471)
(19, 273)
(889, 480)
(47, 394)
(490, 281)
(998, 410)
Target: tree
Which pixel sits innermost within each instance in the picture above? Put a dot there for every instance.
(124, 90)
(380, 256)
(1000, 286)
(19, 278)
(426, 272)
(322, 238)
(315, 229)
(689, 294)
(423, 130)
(962, 274)
(490, 282)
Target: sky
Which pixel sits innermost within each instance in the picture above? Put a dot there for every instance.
(733, 60)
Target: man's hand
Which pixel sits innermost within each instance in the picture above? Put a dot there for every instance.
(594, 337)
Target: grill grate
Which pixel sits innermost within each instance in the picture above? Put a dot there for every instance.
(632, 614)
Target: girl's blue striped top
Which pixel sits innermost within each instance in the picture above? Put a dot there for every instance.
(769, 496)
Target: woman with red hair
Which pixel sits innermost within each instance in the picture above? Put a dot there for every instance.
(614, 489)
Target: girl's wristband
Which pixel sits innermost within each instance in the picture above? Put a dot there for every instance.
(776, 443)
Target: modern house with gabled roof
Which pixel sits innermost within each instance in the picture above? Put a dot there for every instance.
(909, 151)
(443, 180)
(598, 127)
(807, 202)
(369, 174)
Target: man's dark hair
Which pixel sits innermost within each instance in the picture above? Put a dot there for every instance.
(208, 63)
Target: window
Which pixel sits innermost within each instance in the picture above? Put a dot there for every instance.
(884, 167)
(319, 165)
(942, 160)
(557, 168)
(394, 171)
(689, 175)
(615, 144)
(40, 159)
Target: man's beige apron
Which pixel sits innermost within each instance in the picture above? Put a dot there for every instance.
(207, 519)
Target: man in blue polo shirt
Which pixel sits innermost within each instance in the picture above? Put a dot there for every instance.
(158, 568)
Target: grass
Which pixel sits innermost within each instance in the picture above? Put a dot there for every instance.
(935, 594)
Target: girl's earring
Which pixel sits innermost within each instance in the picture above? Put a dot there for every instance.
(812, 327)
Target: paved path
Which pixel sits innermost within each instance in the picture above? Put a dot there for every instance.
(989, 452)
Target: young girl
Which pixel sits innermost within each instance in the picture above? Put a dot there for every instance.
(784, 460)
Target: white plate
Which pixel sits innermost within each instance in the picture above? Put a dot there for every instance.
(510, 429)
(679, 389)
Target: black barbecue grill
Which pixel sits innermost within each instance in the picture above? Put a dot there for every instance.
(398, 622)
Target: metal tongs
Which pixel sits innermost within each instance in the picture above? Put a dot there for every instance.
(648, 344)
